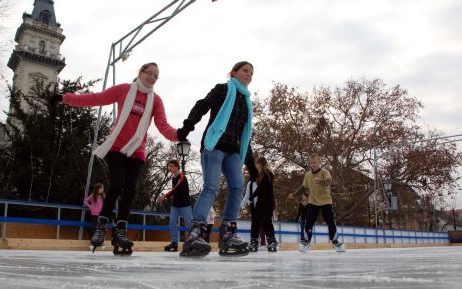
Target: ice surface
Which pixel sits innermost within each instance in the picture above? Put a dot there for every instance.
(438, 267)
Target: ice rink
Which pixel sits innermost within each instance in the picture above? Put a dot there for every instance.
(437, 267)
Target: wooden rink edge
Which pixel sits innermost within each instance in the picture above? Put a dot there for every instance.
(156, 246)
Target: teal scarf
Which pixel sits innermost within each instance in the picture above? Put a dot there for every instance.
(218, 127)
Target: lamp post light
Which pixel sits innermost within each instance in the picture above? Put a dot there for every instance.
(392, 204)
(387, 184)
(183, 151)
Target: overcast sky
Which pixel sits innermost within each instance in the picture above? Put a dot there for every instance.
(306, 43)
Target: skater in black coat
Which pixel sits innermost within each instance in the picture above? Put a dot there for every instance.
(263, 207)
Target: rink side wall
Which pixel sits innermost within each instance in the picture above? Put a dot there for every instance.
(153, 226)
(289, 232)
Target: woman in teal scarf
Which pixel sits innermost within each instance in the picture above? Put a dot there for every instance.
(225, 147)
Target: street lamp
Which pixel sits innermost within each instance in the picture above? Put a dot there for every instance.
(183, 151)
(387, 184)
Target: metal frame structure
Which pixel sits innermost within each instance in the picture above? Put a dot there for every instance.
(452, 139)
(121, 50)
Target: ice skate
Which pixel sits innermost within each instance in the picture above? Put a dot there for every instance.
(172, 247)
(119, 239)
(229, 243)
(97, 240)
(195, 245)
(304, 246)
(272, 244)
(338, 246)
(253, 246)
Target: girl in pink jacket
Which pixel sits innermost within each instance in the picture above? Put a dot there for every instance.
(95, 203)
(124, 149)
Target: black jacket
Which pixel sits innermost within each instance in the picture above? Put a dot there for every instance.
(180, 191)
(231, 138)
(230, 141)
(265, 192)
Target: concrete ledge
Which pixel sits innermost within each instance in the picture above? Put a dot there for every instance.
(82, 245)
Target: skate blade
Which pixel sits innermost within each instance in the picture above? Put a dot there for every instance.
(123, 251)
(227, 253)
(93, 248)
(192, 256)
(123, 254)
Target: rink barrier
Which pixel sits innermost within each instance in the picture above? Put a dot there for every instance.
(286, 232)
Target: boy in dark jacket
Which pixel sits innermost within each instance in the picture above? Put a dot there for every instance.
(181, 205)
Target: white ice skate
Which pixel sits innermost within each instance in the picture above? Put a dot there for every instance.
(339, 247)
(304, 246)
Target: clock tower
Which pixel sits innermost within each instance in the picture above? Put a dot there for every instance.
(37, 53)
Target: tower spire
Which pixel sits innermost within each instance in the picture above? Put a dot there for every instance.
(44, 11)
(37, 54)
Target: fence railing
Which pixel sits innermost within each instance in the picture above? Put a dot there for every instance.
(286, 232)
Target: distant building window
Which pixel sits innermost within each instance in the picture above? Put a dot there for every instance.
(42, 47)
(45, 16)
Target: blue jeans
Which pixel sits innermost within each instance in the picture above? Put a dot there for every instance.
(186, 213)
(213, 164)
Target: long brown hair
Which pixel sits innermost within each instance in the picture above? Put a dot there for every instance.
(94, 193)
(238, 66)
(265, 169)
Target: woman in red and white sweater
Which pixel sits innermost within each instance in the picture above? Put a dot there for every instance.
(124, 149)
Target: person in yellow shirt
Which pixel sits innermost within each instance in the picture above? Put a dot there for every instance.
(317, 183)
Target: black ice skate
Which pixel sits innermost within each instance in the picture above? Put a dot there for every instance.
(195, 245)
(99, 235)
(229, 243)
(172, 247)
(253, 246)
(338, 246)
(119, 239)
(272, 244)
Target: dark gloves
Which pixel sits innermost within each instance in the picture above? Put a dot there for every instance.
(56, 98)
(183, 132)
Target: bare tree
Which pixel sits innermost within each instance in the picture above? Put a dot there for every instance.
(344, 125)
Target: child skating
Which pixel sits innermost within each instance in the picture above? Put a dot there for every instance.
(124, 149)
(225, 147)
(317, 182)
(181, 204)
(262, 207)
(95, 203)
